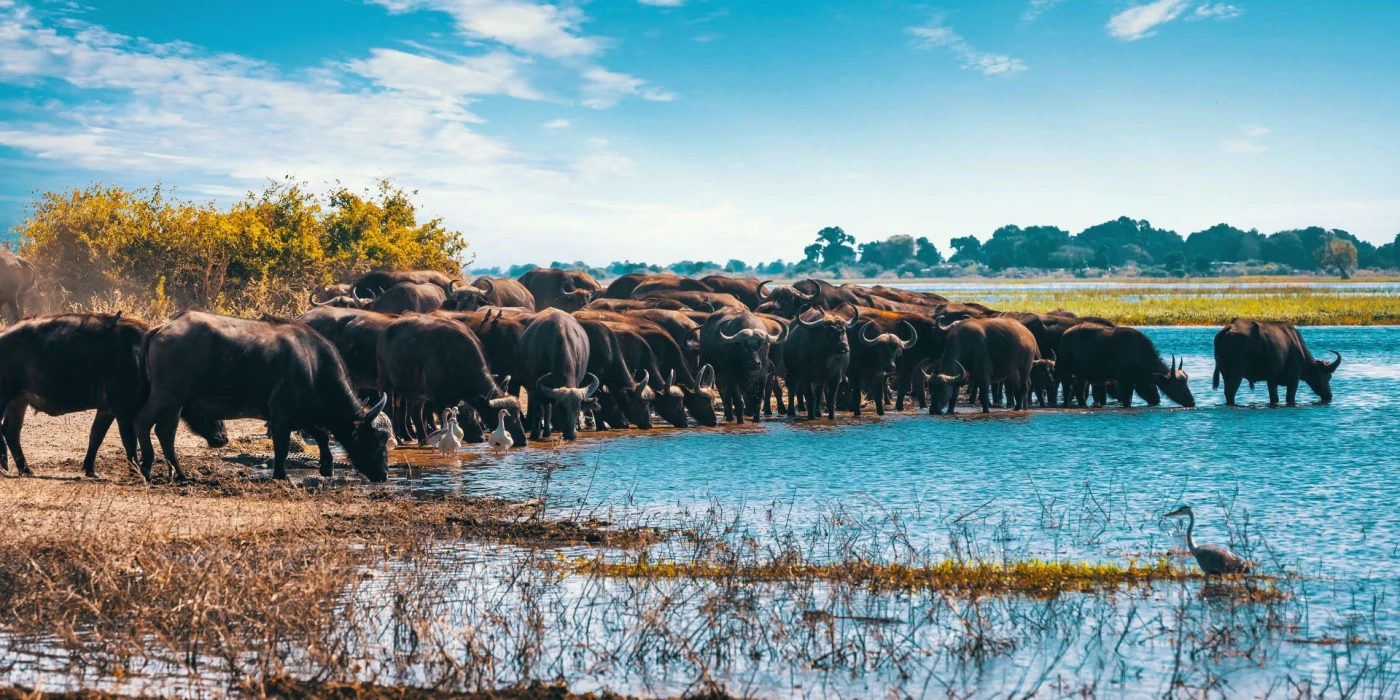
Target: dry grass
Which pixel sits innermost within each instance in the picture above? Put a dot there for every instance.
(1159, 306)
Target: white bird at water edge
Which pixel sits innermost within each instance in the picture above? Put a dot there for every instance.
(1213, 560)
(499, 439)
(448, 439)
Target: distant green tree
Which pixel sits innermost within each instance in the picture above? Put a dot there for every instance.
(1389, 253)
(889, 253)
(927, 253)
(966, 249)
(1071, 257)
(1175, 264)
(1338, 254)
(1201, 265)
(735, 266)
(833, 247)
(1109, 237)
(1225, 243)
(518, 270)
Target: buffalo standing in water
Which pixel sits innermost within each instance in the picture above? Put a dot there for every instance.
(1270, 352)
(556, 349)
(1092, 354)
(980, 352)
(736, 343)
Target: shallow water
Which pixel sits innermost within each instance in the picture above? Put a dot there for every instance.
(1318, 483)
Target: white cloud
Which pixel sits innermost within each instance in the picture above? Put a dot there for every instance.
(1220, 11)
(937, 35)
(543, 29)
(1139, 21)
(556, 124)
(1036, 8)
(1249, 144)
(452, 81)
(603, 88)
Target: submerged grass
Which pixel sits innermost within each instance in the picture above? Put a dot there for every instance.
(1028, 577)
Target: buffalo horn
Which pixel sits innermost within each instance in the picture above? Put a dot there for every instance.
(1337, 363)
(865, 340)
(961, 369)
(759, 290)
(855, 317)
(913, 336)
(377, 408)
(592, 385)
(805, 322)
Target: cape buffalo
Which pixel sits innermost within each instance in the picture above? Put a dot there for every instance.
(629, 397)
(379, 281)
(1271, 352)
(409, 296)
(505, 291)
(735, 342)
(698, 301)
(355, 335)
(468, 297)
(978, 352)
(875, 354)
(748, 290)
(1048, 329)
(16, 279)
(558, 289)
(817, 356)
(1094, 355)
(555, 349)
(76, 362)
(908, 297)
(621, 287)
(667, 283)
(441, 362)
(275, 369)
(1043, 381)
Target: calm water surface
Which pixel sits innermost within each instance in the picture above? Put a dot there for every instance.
(1318, 484)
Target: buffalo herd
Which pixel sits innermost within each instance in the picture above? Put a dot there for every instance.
(379, 359)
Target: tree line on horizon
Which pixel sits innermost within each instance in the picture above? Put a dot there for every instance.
(1122, 246)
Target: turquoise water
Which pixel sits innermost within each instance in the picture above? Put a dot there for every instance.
(1319, 484)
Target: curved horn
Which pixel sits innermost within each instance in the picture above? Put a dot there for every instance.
(592, 385)
(730, 338)
(702, 382)
(694, 331)
(490, 286)
(809, 324)
(804, 297)
(1053, 357)
(943, 327)
(924, 364)
(1173, 365)
(355, 293)
(452, 286)
(567, 286)
(317, 303)
(554, 393)
(865, 340)
(962, 369)
(378, 408)
(913, 336)
(646, 378)
(671, 379)
(1337, 363)
(759, 290)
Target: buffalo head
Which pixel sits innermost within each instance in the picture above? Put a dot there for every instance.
(753, 345)
(830, 329)
(1319, 376)
(568, 401)
(943, 388)
(465, 297)
(367, 445)
(886, 348)
(1174, 384)
(700, 399)
(670, 402)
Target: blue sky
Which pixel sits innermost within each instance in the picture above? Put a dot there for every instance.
(659, 130)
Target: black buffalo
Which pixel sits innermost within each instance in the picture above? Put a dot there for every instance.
(628, 397)
(748, 290)
(736, 343)
(876, 349)
(555, 350)
(817, 356)
(282, 371)
(77, 362)
(440, 362)
(1048, 329)
(666, 282)
(979, 352)
(553, 288)
(1271, 352)
(505, 291)
(1091, 354)
(409, 296)
(379, 281)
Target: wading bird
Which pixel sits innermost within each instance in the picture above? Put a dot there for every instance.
(449, 439)
(499, 439)
(1213, 560)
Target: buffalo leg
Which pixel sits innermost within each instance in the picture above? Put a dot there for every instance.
(15, 310)
(281, 442)
(152, 414)
(832, 391)
(1125, 393)
(1232, 387)
(856, 397)
(101, 423)
(1273, 394)
(1292, 388)
(778, 395)
(165, 432)
(127, 430)
(880, 399)
(323, 449)
(532, 416)
(986, 399)
(13, 425)
(1100, 394)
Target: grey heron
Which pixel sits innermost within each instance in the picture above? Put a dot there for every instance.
(1212, 559)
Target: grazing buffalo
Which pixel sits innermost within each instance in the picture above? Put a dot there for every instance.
(1271, 352)
(1048, 329)
(505, 291)
(409, 296)
(817, 356)
(908, 297)
(635, 304)
(440, 362)
(628, 398)
(282, 371)
(553, 288)
(748, 290)
(979, 352)
(667, 283)
(875, 353)
(555, 350)
(500, 339)
(736, 343)
(380, 281)
(635, 339)
(355, 335)
(1092, 354)
(77, 362)
(621, 288)
(16, 279)
(698, 301)
(331, 291)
